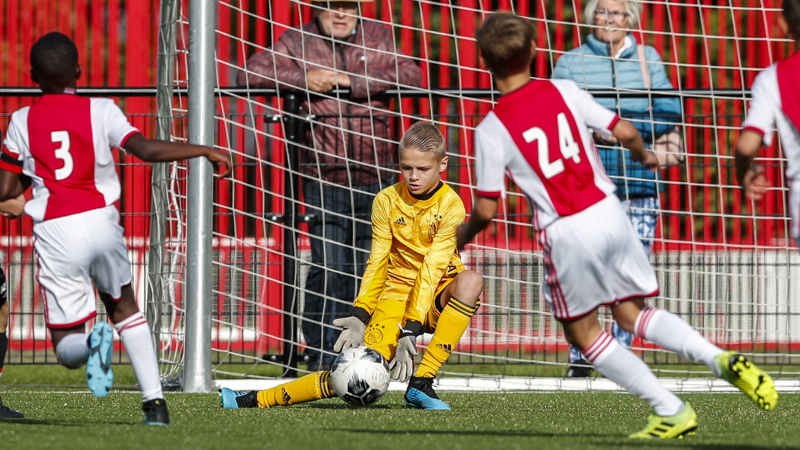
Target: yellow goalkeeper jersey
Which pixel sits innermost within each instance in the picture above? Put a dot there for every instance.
(413, 247)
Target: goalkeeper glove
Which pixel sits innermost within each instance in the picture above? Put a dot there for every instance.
(354, 328)
(403, 362)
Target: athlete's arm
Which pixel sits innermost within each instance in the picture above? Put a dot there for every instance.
(374, 278)
(630, 138)
(757, 132)
(354, 327)
(752, 179)
(483, 212)
(154, 150)
(12, 185)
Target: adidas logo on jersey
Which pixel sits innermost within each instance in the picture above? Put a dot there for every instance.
(400, 221)
(446, 347)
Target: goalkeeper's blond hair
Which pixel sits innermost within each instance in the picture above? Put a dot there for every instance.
(424, 137)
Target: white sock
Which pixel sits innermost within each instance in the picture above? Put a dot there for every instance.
(73, 350)
(136, 338)
(672, 333)
(621, 366)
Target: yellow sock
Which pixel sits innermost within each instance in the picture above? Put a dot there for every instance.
(313, 386)
(453, 322)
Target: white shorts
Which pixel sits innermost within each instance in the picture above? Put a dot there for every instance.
(74, 251)
(594, 258)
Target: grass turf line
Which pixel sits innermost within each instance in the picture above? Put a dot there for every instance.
(480, 421)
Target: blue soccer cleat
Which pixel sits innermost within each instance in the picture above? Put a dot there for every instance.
(99, 375)
(234, 399)
(420, 395)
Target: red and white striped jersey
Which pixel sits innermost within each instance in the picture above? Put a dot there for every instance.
(539, 134)
(63, 143)
(776, 101)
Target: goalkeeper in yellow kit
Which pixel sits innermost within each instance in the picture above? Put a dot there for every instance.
(414, 283)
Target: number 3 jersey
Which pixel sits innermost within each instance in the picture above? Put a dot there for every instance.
(63, 143)
(539, 133)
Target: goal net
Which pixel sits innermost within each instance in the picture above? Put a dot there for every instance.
(725, 265)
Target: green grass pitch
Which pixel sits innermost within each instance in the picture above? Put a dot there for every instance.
(74, 419)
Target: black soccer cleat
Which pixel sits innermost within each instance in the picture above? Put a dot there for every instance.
(579, 369)
(8, 413)
(234, 399)
(155, 412)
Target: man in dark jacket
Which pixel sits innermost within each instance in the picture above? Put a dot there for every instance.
(346, 150)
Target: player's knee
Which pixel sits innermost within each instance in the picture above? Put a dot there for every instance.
(571, 339)
(63, 364)
(625, 323)
(471, 284)
(4, 313)
(62, 357)
(122, 308)
(625, 314)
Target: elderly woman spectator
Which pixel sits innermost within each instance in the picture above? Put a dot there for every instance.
(611, 59)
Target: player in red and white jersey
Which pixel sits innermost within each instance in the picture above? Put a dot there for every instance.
(551, 158)
(62, 146)
(537, 132)
(63, 143)
(776, 101)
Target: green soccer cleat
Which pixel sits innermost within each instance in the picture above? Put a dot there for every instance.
(670, 427)
(749, 378)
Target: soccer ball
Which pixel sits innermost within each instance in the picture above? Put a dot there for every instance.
(360, 376)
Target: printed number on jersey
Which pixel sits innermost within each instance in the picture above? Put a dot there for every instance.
(62, 153)
(569, 148)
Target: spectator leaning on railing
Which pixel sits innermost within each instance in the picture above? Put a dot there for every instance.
(343, 151)
(591, 67)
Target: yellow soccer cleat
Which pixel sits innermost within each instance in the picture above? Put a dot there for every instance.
(682, 424)
(749, 378)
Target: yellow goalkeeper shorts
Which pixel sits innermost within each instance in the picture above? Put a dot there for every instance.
(383, 328)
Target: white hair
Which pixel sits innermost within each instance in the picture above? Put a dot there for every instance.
(632, 7)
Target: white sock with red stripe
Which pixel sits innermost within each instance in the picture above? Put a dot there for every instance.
(135, 336)
(672, 333)
(73, 350)
(621, 366)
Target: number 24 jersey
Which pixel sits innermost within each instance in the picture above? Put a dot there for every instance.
(539, 133)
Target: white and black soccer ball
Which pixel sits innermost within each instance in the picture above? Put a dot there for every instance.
(360, 376)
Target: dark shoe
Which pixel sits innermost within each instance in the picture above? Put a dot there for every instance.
(579, 369)
(155, 412)
(234, 399)
(8, 413)
(420, 395)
